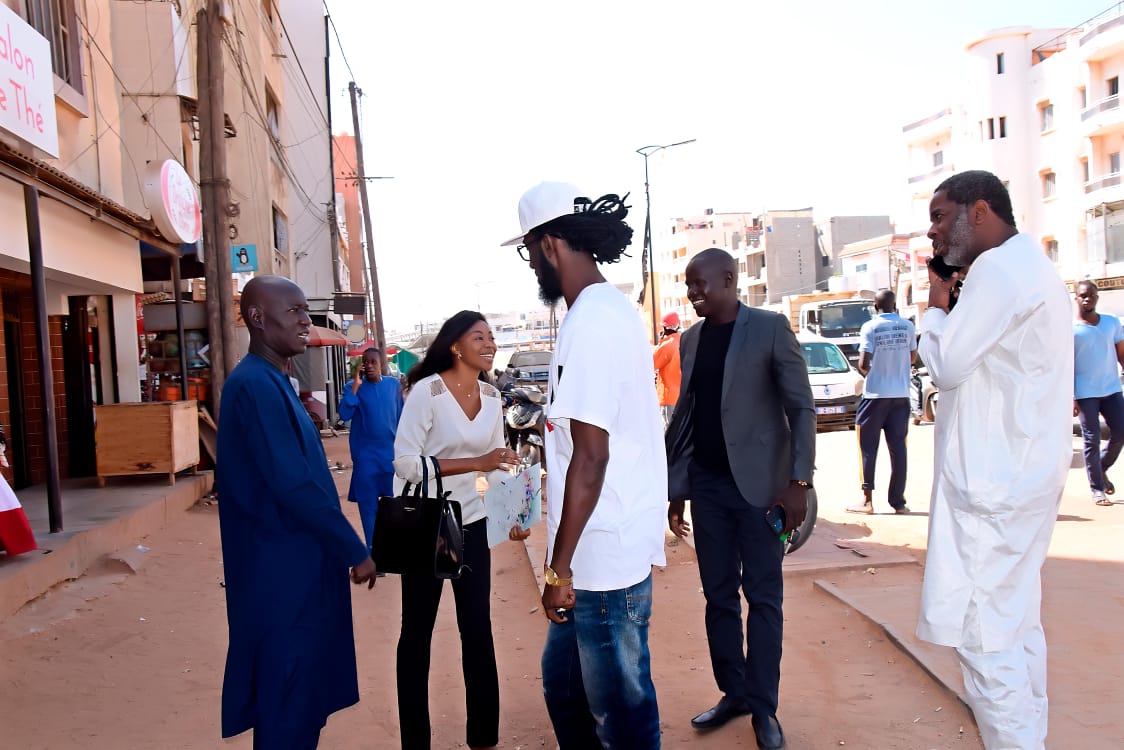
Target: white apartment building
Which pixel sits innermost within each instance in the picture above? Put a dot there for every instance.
(1041, 109)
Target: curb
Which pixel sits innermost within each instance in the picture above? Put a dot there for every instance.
(37, 575)
(903, 643)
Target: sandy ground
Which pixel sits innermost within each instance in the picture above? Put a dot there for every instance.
(134, 660)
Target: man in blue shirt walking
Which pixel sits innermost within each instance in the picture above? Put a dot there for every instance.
(1098, 345)
(887, 347)
(374, 405)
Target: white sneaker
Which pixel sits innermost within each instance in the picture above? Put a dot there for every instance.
(1099, 497)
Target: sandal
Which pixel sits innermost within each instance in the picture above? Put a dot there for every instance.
(1109, 487)
(867, 509)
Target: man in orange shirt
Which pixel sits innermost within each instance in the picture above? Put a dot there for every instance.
(666, 361)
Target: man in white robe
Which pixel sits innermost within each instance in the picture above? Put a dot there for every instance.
(1003, 361)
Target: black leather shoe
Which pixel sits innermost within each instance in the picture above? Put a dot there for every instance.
(768, 731)
(727, 708)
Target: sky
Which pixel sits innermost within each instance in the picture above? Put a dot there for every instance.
(791, 104)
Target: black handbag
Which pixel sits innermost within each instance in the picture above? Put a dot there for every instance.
(416, 533)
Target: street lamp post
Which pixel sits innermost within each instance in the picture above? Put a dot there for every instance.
(650, 260)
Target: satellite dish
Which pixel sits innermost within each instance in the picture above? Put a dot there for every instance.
(356, 334)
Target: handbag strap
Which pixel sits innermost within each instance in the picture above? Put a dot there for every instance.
(437, 473)
(421, 489)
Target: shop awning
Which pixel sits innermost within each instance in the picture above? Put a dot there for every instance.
(321, 336)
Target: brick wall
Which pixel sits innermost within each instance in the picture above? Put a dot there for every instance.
(19, 285)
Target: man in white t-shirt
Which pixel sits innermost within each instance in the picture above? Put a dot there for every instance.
(607, 485)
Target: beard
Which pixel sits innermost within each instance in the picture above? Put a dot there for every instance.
(550, 283)
(960, 240)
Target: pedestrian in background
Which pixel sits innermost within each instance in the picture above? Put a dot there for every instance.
(606, 487)
(453, 415)
(742, 442)
(1098, 349)
(887, 344)
(286, 545)
(1003, 360)
(373, 404)
(666, 361)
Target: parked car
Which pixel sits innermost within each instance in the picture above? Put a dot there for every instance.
(529, 367)
(836, 385)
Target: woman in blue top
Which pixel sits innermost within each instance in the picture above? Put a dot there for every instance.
(374, 405)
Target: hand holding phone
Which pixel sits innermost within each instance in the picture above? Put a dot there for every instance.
(944, 272)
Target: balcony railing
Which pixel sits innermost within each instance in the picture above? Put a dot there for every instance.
(1103, 27)
(1109, 102)
(927, 120)
(1096, 25)
(1109, 180)
(930, 175)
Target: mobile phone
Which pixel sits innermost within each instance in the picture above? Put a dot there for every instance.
(945, 271)
(775, 518)
(941, 268)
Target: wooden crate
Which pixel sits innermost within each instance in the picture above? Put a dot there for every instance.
(150, 438)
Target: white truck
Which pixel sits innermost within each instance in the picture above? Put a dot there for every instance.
(838, 321)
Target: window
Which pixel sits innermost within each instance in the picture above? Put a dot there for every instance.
(1002, 127)
(55, 20)
(272, 116)
(1114, 162)
(1046, 117)
(991, 128)
(938, 158)
(981, 130)
(1112, 86)
(1048, 184)
(1050, 246)
(1082, 98)
(999, 63)
(280, 232)
(860, 268)
(1084, 170)
(826, 261)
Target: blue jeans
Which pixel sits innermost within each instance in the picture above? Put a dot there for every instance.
(1089, 413)
(596, 672)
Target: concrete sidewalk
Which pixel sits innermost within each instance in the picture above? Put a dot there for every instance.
(98, 522)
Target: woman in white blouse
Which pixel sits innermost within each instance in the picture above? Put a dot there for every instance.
(452, 413)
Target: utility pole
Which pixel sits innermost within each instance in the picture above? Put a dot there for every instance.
(215, 197)
(380, 332)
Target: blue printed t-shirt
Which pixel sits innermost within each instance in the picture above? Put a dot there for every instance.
(1095, 371)
(889, 339)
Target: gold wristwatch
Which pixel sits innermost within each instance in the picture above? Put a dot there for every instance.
(553, 579)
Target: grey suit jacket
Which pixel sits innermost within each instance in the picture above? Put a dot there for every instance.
(768, 415)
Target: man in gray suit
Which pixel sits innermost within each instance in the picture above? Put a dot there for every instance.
(742, 441)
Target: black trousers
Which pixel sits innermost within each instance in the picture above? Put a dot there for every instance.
(421, 595)
(736, 549)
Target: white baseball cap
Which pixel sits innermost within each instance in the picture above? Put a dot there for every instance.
(546, 202)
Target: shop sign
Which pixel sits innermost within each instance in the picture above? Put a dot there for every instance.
(243, 258)
(174, 202)
(27, 84)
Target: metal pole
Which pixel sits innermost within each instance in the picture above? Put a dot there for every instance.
(647, 151)
(648, 252)
(380, 331)
(43, 352)
(175, 263)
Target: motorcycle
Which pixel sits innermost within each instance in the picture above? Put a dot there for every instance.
(923, 396)
(525, 422)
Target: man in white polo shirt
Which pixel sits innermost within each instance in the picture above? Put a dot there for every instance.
(886, 349)
(607, 486)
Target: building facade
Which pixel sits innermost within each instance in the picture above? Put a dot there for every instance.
(1041, 109)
